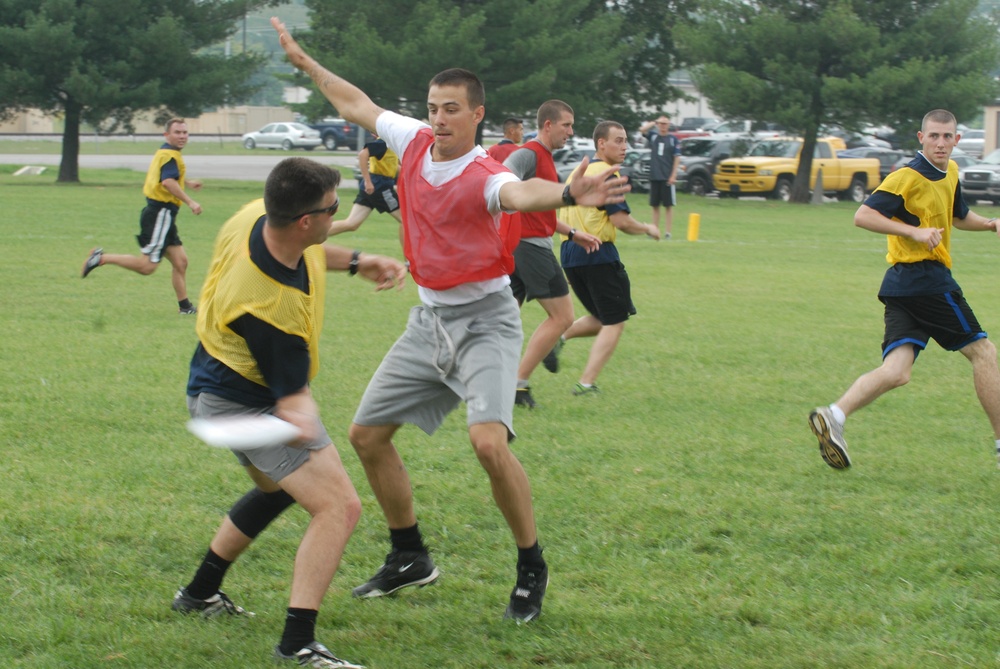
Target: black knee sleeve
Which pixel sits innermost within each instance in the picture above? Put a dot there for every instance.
(256, 509)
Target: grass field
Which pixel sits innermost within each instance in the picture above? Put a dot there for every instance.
(687, 517)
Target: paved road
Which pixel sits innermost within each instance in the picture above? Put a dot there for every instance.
(244, 168)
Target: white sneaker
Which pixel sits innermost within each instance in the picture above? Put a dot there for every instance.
(830, 433)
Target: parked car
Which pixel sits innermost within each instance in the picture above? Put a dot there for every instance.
(982, 180)
(696, 123)
(961, 158)
(337, 133)
(747, 129)
(972, 142)
(567, 159)
(887, 158)
(699, 158)
(636, 168)
(286, 136)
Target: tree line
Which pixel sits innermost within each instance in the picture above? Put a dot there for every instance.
(800, 63)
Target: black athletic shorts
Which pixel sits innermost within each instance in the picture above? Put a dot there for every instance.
(604, 291)
(662, 194)
(946, 318)
(384, 199)
(537, 274)
(157, 231)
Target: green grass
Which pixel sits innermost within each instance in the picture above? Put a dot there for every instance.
(687, 517)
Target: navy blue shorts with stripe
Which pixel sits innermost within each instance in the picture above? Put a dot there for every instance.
(157, 231)
(946, 318)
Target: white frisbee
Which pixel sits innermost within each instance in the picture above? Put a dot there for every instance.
(243, 432)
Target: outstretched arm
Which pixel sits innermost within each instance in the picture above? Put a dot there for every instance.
(384, 271)
(541, 195)
(974, 222)
(352, 103)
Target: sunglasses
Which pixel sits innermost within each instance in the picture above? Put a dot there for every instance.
(331, 210)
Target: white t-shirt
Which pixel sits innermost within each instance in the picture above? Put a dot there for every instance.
(398, 131)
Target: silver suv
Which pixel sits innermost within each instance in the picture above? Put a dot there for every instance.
(982, 181)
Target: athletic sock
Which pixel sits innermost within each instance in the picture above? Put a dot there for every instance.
(300, 630)
(522, 383)
(530, 556)
(838, 414)
(998, 450)
(208, 579)
(184, 304)
(407, 539)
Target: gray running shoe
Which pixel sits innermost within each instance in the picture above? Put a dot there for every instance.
(830, 433)
(217, 604)
(187, 311)
(402, 569)
(92, 262)
(526, 597)
(317, 656)
(551, 359)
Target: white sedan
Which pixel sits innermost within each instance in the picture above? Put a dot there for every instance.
(286, 136)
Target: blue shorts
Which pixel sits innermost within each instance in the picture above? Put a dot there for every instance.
(157, 231)
(946, 318)
(604, 291)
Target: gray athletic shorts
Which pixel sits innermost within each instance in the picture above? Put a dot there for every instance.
(537, 274)
(276, 462)
(447, 355)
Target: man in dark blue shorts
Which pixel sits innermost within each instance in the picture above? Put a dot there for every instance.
(158, 238)
(917, 207)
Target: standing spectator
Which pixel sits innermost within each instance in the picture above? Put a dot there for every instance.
(258, 350)
(379, 167)
(158, 236)
(537, 274)
(665, 156)
(916, 207)
(599, 279)
(513, 135)
(464, 340)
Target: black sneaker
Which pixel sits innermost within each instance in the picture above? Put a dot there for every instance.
(187, 311)
(401, 570)
(315, 655)
(215, 605)
(551, 359)
(523, 398)
(92, 262)
(526, 598)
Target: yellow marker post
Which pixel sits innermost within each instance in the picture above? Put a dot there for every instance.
(694, 222)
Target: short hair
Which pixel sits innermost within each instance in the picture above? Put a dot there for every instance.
(938, 116)
(475, 93)
(172, 122)
(552, 110)
(511, 123)
(296, 185)
(603, 129)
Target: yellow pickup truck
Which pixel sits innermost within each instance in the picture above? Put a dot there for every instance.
(770, 166)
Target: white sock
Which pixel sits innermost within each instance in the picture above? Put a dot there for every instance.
(522, 383)
(838, 414)
(998, 446)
